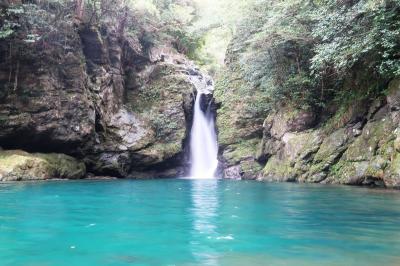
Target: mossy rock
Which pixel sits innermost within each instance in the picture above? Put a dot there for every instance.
(16, 165)
(250, 169)
(161, 104)
(393, 95)
(351, 173)
(396, 142)
(160, 152)
(241, 151)
(392, 172)
(242, 109)
(331, 146)
(289, 119)
(375, 135)
(295, 157)
(329, 151)
(299, 146)
(376, 167)
(279, 170)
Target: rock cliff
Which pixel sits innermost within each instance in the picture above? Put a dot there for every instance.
(355, 145)
(120, 107)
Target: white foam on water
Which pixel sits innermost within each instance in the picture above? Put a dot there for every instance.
(228, 237)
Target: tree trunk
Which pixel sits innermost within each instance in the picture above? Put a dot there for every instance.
(79, 8)
(122, 24)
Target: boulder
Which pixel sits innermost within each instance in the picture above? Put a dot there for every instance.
(294, 158)
(290, 120)
(17, 165)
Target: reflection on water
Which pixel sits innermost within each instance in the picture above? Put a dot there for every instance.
(204, 213)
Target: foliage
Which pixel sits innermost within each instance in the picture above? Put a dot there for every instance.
(292, 52)
(167, 22)
(308, 53)
(274, 45)
(153, 22)
(32, 23)
(366, 32)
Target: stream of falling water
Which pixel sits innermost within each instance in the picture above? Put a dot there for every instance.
(203, 142)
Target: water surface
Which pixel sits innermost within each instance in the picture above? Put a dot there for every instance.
(197, 222)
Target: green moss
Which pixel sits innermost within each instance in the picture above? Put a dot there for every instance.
(242, 150)
(376, 168)
(250, 169)
(243, 108)
(374, 135)
(280, 169)
(395, 165)
(387, 149)
(317, 168)
(331, 146)
(20, 165)
(163, 86)
(329, 151)
(65, 166)
(345, 172)
(341, 117)
(162, 151)
(301, 146)
(159, 103)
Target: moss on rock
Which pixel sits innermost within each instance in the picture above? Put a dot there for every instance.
(241, 151)
(18, 165)
(242, 109)
(392, 175)
(160, 104)
(278, 170)
(374, 135)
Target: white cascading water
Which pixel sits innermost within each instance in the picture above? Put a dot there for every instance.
(203, 142)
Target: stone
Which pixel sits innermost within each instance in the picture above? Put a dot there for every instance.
(103, 99)
(277, 170)
(372, 137)
(393, 95)
(287, 120)
(17, 165)
(233, 172)
(392, 175)
(397, 140)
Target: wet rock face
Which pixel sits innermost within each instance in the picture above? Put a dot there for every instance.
(287, 120)
(103, 101)
(207, 102)
(343, 156)
(45, 105)
(361, 149)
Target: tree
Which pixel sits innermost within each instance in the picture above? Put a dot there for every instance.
(79, 9)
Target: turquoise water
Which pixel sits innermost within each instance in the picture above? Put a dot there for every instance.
(183, 222)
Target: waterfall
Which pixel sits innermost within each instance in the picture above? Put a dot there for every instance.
(203, 142)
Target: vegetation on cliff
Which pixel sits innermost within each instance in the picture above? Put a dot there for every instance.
(297, 73)
(307, 53)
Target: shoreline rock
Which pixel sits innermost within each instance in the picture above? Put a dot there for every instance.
(17, 165)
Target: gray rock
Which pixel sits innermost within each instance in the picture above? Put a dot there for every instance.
(393, 96)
